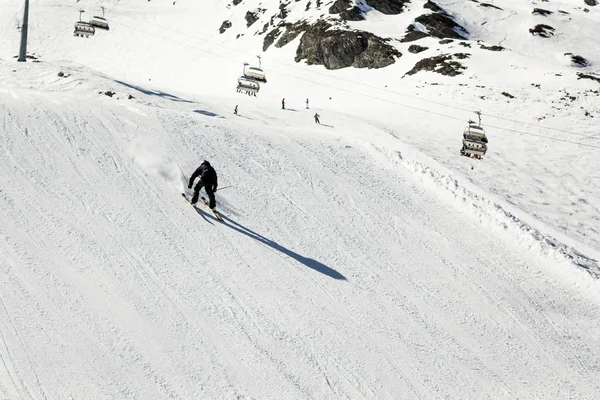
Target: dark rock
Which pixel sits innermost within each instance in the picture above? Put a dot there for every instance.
(578, 61)
(563, 12)
(340, 49)
(283, 12)
(270, 38)
(433, 7)
(130, 97)
(442, 26)
(413, 34)
(415, 48)
(292, 31)
(541, 11)
(61, 74)
(446, 41)
(348, 14)
(251, 18)
(389, 7)
(490, 6)
(339, 6)
(224, 26)
(109, 93)
(465, 44)
(510, 96)
(591, 2)
(236, 2)
(491, 48)
(442, 64)
(542, 30)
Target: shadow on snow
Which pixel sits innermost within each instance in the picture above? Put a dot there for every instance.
(309, 262)
(165, 95)
(207, 113)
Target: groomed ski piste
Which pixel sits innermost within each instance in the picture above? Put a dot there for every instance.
(361, 258)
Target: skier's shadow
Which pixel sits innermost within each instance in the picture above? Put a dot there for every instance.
(309, 262)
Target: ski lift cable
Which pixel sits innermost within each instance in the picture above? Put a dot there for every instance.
(371, 96)
(487, 114)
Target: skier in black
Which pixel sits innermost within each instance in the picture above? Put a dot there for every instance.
(317, 118)
(208, 180)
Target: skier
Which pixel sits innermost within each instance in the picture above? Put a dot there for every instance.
(208, 180)
(307, 104)
(235, 110)
(317, 118)
(283, 103)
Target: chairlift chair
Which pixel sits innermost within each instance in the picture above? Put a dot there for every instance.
(83, 29)
(474, 140)
(99, 22)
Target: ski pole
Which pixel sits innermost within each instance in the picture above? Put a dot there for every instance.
(225, 187)
(182, 174)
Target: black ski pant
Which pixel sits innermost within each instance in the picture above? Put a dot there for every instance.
(211, 195)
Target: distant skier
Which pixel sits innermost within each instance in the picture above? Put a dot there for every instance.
(283, 103)
(208, 180)
(317, 118)
(307, 104)
(235, 110)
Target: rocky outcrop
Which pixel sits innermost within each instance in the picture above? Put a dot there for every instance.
(337, 49)
(224, 26)
(433, 6)
(251, 17)
(591, 2)
(415, 48)
(236, 2)
(389, 7)
(491, 48)
(346, 11)
(292, 31)
(490, 6)
(442, 26)
(542, 30)
(588, 76)
(578, 61)
(270, 38)
(442, 64)
(541, 11)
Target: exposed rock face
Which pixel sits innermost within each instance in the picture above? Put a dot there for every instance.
(578, 61)
(292, 31)
(489, 6)
(337, 49)
(389, 7)
(346, 12)
(591, 2)
(442, 26)
(251, 18)
(236, 2)
(442, 64)
(225, 25)
(415, 48)
(270, 38)
(541, 11)
(542, 30)
(433, 6)
(491, 48)
(587, 76)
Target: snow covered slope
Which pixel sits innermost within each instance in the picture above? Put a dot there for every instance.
(360, 258)
(338, 272)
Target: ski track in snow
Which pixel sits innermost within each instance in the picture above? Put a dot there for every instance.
(341, 271)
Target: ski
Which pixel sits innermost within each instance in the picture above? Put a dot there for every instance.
(215, 212)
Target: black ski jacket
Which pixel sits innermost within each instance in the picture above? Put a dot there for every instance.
(207, 175)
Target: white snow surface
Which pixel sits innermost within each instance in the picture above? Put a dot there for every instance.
(360, 258)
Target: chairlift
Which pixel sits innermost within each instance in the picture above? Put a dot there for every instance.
(82, 28)
(247, 86)
(255, 72)
(99, 22)
(474, 140)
